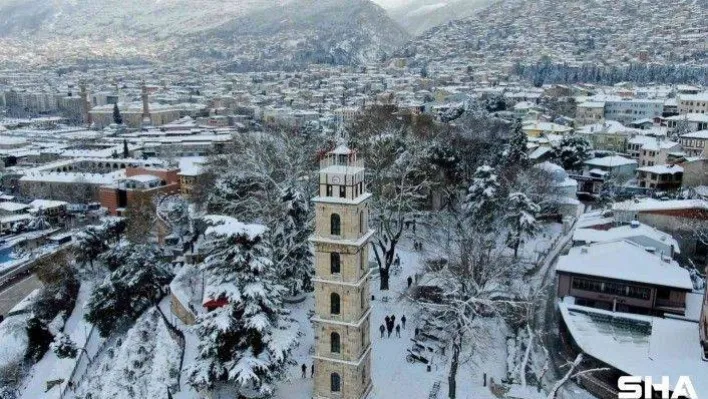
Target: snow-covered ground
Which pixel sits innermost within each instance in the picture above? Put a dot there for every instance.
(50, 367)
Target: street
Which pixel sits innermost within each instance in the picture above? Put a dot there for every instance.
(12, 295)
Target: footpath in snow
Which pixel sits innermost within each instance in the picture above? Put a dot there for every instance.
(51, 368)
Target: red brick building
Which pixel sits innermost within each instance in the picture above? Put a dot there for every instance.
(139, 183)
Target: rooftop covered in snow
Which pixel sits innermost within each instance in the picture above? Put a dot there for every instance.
(609, 260)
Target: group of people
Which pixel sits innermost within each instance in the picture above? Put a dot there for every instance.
(390, 323)
(417, 246)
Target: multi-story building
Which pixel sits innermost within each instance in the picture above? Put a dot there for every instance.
(589, 112)
(660, 177)
(607, 136)
(695, 143)
(627, 111)
(656, 152)
(693, 103)
(342, 358)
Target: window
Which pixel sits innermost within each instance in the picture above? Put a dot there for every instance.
(335, 382)
(335, 224)
(361, 222)
(611, 288)
(663, 293)
(334, 342)
(342, 191)
(329, 190)
(335, 263)
(334, 303)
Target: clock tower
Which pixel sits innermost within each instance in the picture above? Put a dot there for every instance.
(342, 356)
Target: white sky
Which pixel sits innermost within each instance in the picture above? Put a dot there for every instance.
(391, 3)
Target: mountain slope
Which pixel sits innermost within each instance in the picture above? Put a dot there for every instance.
(248, 32)
(418, 16)
(571, 31)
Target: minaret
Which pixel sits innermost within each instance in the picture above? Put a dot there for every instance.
(342, 356)
(147, 121)
(85, 104)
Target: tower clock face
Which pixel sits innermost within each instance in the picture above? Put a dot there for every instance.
(336, 180)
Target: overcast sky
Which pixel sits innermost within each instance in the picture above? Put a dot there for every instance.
(391, 3)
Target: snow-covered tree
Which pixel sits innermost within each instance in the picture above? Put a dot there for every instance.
(245, 342)
(138, 281)
(291, 249)
(520, 219)
(482, 201)
(145, 363)
(95, 240)
(64, 347)
(571, 152)
(515, 154)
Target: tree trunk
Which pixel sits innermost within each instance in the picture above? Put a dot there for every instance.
(454, 364)
(516, 249)
(384, 274)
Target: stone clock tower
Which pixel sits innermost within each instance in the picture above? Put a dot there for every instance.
(342, 356)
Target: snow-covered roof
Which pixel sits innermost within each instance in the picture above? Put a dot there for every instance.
(614, 160)
(639, 345)
(341, 149)
(47, 204)
(623, 232)
(701, 134)
(610, 260)
(650, 204)
(228, 226)
(661, 169)
(191, 166)
(12, 206)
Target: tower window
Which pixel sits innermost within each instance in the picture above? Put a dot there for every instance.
(361, 222)
(335, 263)
(335, 382)
(342, 191)
(329, 190)
(334, 302)
(334, 342)
(335, 224)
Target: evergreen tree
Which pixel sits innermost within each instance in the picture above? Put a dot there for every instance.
(520, 219)
(291, 248)
(135, 285)
(246, 341)
(117, 117)
(126, 153)
(482, 201)
(516, 152)
(571, 152)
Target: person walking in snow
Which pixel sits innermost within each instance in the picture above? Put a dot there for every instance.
(403, 321)
(410, 281)
(393, 319)
(304, 370)
(382, 329)
(312, 371)
(389, 328)
(398, 330)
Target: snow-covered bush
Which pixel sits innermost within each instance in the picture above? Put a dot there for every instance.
(64, 347)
